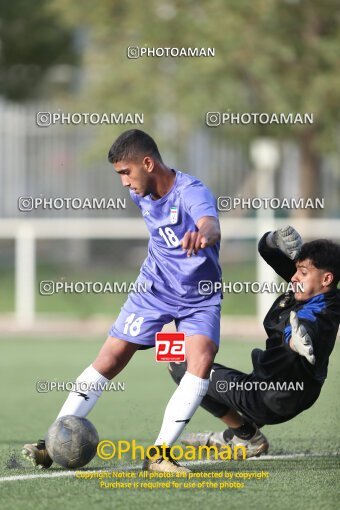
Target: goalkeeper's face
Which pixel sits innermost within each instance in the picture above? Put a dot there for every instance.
(314, 281)
(137, 175)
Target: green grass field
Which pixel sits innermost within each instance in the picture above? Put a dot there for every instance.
(308, 481)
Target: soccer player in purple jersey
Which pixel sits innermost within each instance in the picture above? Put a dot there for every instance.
(181, 216)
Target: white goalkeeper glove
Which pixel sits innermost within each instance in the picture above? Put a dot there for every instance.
(300, 340)
(286, 239)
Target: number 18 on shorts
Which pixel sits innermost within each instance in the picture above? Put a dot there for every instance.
(170, 347)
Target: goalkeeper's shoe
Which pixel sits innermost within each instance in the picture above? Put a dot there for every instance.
(254, 447)
(37, 454)
(165, 464)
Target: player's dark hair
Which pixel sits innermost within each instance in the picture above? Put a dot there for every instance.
(131, 145)
(324, 254)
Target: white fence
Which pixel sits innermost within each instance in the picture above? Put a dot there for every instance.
(71, 161)
(26, 232)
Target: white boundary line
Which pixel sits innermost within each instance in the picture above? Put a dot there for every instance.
(61, 474)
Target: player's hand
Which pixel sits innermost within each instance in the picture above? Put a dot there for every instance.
(300, 340)
(286, 239)
(192, 242)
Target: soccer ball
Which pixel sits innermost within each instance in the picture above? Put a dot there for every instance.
(72, 441)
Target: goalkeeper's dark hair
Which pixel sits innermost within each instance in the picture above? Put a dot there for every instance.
(324, 254)
(132, 145)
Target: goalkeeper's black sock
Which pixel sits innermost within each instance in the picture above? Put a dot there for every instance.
(228, 434)
(246, 431)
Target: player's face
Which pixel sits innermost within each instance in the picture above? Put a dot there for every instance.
(314, 281)
(136, 175)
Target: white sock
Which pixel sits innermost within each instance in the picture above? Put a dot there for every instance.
(181, 407)
(88, 388)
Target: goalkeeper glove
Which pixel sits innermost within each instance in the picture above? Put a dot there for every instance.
(300, 340)
(286, 239)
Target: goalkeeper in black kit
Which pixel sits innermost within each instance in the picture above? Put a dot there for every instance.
(288, 375)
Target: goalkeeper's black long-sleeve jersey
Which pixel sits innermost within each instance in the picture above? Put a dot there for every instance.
(320, 315)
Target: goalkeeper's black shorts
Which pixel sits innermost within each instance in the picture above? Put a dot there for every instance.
(251, 396)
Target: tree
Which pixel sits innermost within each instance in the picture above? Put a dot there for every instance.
(32, 41)
(271, 56)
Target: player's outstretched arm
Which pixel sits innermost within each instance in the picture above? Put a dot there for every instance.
(300, 340)
(208, 234)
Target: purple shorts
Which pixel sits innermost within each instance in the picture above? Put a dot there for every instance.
(143, 315)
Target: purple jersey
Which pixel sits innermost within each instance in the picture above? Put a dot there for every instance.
(170, 274)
